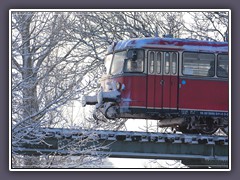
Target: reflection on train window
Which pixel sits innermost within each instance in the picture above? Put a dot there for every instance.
(117, 62)
(198, 64)
(167, 63)
(222, 66)
(107, 62)
(151, 66)
(135, 65)
(158, 63)
(174, 63)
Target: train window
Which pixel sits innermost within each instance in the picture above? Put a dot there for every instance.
(198, 64)
(107, 62)
(151, 65)
(117, 62)
(137, 64)
(159, 63)
(167, 63)
(174, 63)
(222, 66)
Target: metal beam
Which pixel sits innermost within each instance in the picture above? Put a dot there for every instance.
(193, 150)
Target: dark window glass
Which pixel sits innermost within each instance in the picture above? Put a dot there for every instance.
(174, 63)
(222, 66)
(159, 63)
(167, 63)
(151, 66)
(198, 64)
(136, 64)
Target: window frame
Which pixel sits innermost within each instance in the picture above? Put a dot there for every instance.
(157, 62)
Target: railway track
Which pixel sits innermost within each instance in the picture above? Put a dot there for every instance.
(203, 150)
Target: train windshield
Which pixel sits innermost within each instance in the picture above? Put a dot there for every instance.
(134, 61)
(125, 61)
(107, 62)
(118, 62)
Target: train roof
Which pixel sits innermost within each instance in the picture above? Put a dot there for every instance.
(170, 44)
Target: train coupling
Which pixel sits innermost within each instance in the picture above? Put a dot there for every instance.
(102, 97)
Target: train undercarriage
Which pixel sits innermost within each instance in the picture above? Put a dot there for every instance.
(189, 124)
(200, 124)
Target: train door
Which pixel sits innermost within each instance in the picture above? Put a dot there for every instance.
(162, 81)
(154, 79)
(169, 82)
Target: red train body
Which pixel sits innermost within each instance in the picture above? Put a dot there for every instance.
(180, 82)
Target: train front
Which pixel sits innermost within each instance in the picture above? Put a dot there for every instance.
(122, 90)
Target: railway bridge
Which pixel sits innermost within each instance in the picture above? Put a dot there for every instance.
(195, 151)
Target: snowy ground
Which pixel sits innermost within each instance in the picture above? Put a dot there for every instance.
(122, 163)
(128, 163)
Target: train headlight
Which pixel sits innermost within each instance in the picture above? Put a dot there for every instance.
(118, 85)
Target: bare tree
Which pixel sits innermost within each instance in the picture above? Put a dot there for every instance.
(48, 70)
(212, 26)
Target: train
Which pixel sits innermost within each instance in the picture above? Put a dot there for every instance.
(182, 83)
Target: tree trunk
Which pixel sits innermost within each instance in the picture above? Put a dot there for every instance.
(29, 85)
(29, 77)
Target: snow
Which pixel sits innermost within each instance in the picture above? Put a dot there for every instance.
(128, 162)
(182, 44)
(101, 95)
(89, 99)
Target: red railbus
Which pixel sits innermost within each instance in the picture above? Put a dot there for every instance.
(183, 83)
